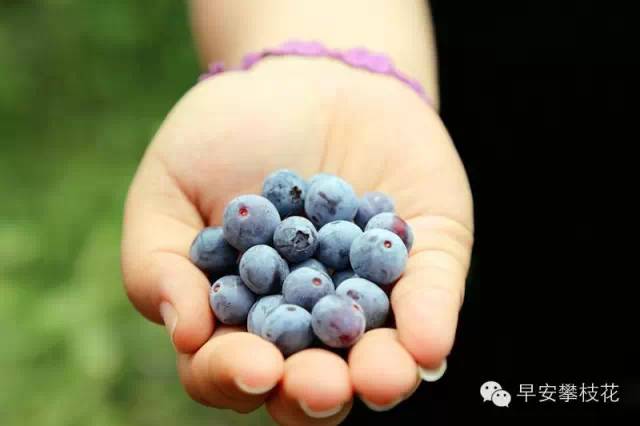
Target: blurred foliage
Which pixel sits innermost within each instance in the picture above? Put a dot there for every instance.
(83, 87)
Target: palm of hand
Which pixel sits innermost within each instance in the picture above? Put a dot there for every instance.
(219, 142)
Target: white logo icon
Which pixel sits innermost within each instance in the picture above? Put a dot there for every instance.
(492, 391)
(488, 389)
(501, 398)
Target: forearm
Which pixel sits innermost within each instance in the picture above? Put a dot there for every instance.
(227, 29)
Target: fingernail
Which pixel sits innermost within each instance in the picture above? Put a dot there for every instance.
(320, 414)
(432, 374)
(386, 407)
(252, 390)
(170, 318)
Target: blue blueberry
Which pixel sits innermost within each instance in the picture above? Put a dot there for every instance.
(372, 299)
(263, 270)
(260, 310)
(231, 300)
(334, 243)
(340, 276)
(286, 190)
(338, 321)
(249, 220)
(371, 204)
(311, 263)
(211, 253)
(329, 199)
(378, 255)
(305, 286)
(289, 328)
(295, 239)
(394, 223)
(313, 179)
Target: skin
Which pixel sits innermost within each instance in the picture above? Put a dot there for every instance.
(227, 133)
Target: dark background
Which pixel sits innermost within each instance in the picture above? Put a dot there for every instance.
(538, 99)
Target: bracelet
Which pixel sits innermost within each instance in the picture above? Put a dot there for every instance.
(358, 57)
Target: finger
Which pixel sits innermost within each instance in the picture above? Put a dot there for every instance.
(427, 299)
(159, 225)
(382, 371)
(315, 390)
(234, 369)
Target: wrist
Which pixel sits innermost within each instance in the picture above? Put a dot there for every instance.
(357, 58)
(226, 31)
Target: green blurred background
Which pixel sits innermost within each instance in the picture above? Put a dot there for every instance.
(83, 87)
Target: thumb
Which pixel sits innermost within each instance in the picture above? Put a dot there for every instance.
(427, 300)
(159, 225)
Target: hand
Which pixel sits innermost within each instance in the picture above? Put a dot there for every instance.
(309, 115)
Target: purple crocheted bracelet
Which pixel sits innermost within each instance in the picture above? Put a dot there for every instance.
(358, 58)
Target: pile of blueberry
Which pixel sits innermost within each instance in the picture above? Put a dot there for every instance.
(305, 260)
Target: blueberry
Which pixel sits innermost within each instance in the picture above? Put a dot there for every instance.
(340, 276)
(249, 220)
(305, 286)
(372, 299)
(313, 179)
(330, 198)
(334, 243)
(371, 204)
(338, 321)
(286, 190)
(289, 328)
(311, 263)
(295, 239)
(393, 223)
(211, 253)
(260, 310)
(263, 270)
(379, 256)
(231, 300)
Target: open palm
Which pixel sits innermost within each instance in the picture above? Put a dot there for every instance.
(220, 141)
